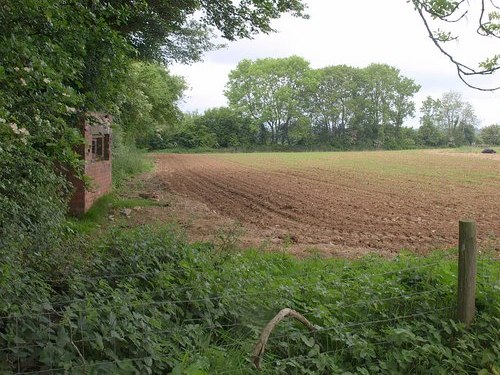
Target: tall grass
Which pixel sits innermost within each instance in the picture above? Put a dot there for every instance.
(128, 160)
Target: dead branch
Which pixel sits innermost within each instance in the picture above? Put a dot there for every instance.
(266, 332)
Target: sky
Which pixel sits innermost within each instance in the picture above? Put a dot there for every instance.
(355, 33)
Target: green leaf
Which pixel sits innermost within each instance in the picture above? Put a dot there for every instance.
(62, 336)
(308, 341)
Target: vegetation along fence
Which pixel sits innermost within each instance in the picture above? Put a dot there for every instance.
(367, 316)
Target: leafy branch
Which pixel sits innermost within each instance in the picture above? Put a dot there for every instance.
(450, 12)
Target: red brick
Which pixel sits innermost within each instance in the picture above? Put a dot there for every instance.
(98, 171)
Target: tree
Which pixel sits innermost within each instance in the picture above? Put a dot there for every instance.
(330, 96)
(447, 12)
(229, 127)
(491, 135)
(148, 101)
(269, 92)
(428, 132)
(430, 135)
(454, 117)
(384, 101)
(191, 133)
(340, 105)
(181, 31)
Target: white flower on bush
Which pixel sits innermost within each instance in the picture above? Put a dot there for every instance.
(27, 69)
(23, 132)
(23, 82)
(46, 80)
(14, 128)
(17, 130)
(70, 109)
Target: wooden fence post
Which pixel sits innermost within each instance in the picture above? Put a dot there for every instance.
(467, 270)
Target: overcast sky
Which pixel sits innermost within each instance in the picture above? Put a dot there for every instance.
(356, 33)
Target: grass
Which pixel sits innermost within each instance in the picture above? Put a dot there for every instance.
(408, 164)
(465, 149)
(128, 161)
(98, 214)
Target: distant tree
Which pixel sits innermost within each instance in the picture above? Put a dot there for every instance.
(337, 105)
(430, 135)
(190, 133)
(269, 91)
(454, 117)
(491, 135)
(230, 127)
(385, 100)
(329, 100)
(431, 115)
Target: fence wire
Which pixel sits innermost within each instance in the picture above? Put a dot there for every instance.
(20, 358)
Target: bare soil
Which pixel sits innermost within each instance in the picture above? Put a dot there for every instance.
(345, 213)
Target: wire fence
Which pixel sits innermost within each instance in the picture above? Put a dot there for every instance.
(76, 335)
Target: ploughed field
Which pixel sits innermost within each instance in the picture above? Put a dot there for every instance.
(346, 203)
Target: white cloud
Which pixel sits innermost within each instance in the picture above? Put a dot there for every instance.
(354, 32)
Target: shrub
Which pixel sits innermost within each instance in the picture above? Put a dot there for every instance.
(491, 135)
(32, 197)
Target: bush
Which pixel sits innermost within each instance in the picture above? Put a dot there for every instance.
(188, 135)
(491, 135)
(32, 197)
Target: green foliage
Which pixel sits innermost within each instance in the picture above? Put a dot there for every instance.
(447, 121)
(230, 129)
(147, 295)
(341, 106)
(181, 31)
(31, 203)
(148, 102)
(491, 135)
(127, 161)
(268, 91)
(430, 135)
(191, 133)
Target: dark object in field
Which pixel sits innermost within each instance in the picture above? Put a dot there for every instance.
(488, 151)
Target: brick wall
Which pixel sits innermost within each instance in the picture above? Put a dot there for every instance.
(98, 171)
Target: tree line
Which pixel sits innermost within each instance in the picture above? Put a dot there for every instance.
(283, 102)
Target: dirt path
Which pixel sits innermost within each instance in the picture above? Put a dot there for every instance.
(345, 213)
